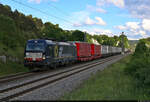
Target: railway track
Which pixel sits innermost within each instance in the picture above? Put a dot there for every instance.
(20, 75)
(13, 77)
(18, 90)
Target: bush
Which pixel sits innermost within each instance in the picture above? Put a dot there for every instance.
(139, 66)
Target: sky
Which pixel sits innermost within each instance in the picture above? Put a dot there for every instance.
(110, 17)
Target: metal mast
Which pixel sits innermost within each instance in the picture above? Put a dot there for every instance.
(85, 39)
(122, 42)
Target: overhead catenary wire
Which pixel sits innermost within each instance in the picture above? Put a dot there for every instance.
(64, 13)
(45, 13)
(58, 9)
(36, 9)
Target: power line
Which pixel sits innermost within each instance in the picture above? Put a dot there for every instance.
(36, 9)
(60, 10)
(41, 11)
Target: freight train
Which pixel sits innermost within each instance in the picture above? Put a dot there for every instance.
(46, 53)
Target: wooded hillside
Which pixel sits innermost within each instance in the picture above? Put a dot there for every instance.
(16, 28)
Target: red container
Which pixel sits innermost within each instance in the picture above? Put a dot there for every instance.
(95, 51)
(83, 51)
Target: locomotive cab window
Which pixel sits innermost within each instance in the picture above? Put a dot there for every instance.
(35, 47)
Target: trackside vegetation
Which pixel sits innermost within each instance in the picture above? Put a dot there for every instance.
(139, 66)
(110, 84)
(11, 68)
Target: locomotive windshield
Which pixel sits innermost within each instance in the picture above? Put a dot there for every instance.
(35, 47)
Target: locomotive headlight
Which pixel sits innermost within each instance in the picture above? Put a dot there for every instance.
(44, 57)
(27, 54)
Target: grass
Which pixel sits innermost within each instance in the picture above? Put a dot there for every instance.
(110, 84)
(11, 68)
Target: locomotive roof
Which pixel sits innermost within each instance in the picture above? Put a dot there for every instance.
(42, 40)
(66, 43)
(63, 43)
(51, 42)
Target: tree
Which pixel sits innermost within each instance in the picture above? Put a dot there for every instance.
(141, 48)
(125, 39)
(53, 31)
(8, 31)
(116, 40)
(77, 35)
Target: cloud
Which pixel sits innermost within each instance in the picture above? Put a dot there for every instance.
(100, 2)
(82, 18)
(100, 21)
(146, 24)
(102, 31)
(138, 8)
(89, 21)
(98, 31)
(77, 24)
(96, 21)
(130, 38)
(143, 33)
(78, 21)
(36, 1)
(117, 3)
(133, 25)
(136, 29)
(100, 10)
(95, 9)
(39, 1)
(121, 27)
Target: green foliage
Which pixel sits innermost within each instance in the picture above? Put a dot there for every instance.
(139, 66)
(125, 39)
(8, 31)
(110, 84)
(77, 36)
(141, 48)
(112, 41)
(89, 38)
(11, 68)
(133, 44)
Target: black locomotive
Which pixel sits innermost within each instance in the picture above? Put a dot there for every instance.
(43, 53)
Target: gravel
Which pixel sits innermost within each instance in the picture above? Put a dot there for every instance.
(36, 76)
(58, 89)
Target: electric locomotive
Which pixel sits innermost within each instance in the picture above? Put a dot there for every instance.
(45, 53)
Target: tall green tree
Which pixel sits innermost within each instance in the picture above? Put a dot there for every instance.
(8, 31)
(77, 35)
